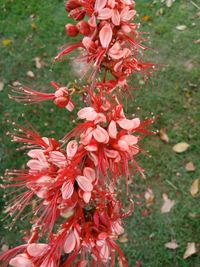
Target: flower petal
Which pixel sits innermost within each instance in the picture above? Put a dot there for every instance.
(72, 147)
(87, 113)
(100, 4)
(123, 145)
(116, 17)
(70, 243)
(130, 139)
(67, 189)
(86, 197)
(101, 135)
(112, 129)
(36, 250)
(136, 122)
(57, 158)
(105, 35)
(127, 124)
(89, 173)
(37, 165)
(84, 183)
(21, 260)
(104, 14)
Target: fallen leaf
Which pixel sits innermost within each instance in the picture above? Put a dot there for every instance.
(181, 27)
(181, 147)
(189, 64)
(7, 42)
(160, 12)
(30, 74)
(190, 250)
(163, 135)
(38, 62)
(33, 25)
(146, 18)
(197, 41)
(172, 245)
(149, 197)
(190, 167)
(123, 238)
(194, 189)
(1, 86)
(169, 3)
(168, 204)
(198, 14)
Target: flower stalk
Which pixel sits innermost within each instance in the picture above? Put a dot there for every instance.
(75, 182)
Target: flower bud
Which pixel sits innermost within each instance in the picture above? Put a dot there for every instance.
(77, 14)
(72, 4)
(71, 30)
(61, 101)
(83, 27)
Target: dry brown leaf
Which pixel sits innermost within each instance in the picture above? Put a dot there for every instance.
(172, 245)
(169, 3)
(181, 147)
(149, 197)
(163, 135)
(190, 166)
(189, 64)
(197, 41)
(194, 189)
(123, 238)
(198, 14)
(30, 74)
(190, 250)
(181, 27)
(34, 26)
(38, 62)
(146, 18)
(168, 204)
(1, 86)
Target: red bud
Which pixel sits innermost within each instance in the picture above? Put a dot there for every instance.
(61, 101)
(77, 14)
(71, 30)
(83, 28)
(72, 4)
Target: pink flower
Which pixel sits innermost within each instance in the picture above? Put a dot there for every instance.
(21, 260)
(84, 182)
(60, 97)
(72, 241)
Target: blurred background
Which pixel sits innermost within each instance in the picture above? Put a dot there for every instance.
(164, 231)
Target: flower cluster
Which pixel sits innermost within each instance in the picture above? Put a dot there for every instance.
(110, 40)
(72, 185)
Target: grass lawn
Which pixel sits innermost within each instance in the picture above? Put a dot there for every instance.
(35, 29)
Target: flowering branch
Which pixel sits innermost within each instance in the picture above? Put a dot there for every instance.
(77, 216)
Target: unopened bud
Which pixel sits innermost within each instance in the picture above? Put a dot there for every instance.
(77, 14)
(71, 30)
(61, 101)
(72, 4)
(83, 28)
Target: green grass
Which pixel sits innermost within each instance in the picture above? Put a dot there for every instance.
(170, 95)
